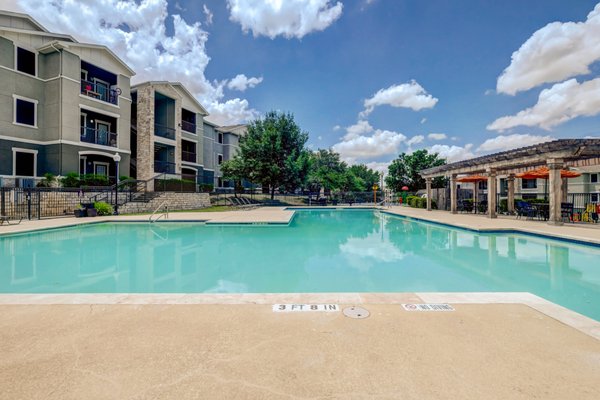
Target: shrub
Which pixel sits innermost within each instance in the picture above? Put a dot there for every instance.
(94, 180)
(103, 208)
(207, 187)
(70, 180)
(48, 180)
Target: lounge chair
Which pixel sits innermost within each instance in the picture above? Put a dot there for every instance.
(6, 220)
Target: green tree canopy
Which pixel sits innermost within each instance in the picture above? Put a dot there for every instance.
(327, 171)
(271, 153)
(404, 171)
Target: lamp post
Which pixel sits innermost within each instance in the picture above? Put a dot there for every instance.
(116, 159)
(375, 187)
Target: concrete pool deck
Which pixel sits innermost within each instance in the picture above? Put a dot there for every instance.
(493, 346)
(495, 351)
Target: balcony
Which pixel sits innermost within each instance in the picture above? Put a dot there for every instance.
(164, 131)
(98, 136)
(188, 156)
(100, 91)
(188, 126)
(164, 167)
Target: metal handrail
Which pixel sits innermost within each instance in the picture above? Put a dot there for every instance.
(164, 214)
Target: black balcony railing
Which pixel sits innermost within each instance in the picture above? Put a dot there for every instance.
(188, 156)
(100, 91)
(164, 131)
(98, 136)
(164, 167)
(188, 126)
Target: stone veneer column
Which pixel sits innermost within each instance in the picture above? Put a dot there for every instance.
(178, 146)
(555, 184)
(145, 135)
(492, 189)
(510, 201)
(453, 205)
(428, 186)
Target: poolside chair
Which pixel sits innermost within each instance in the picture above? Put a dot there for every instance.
(590, 214)
(482, 206)
(566, 211)
(465, 206)
(6, 220)
(525, 209)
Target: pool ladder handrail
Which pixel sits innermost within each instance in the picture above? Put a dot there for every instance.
(163, 214)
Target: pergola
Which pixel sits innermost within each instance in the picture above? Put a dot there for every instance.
(556, 155)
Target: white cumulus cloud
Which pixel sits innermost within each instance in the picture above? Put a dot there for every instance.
(553, 53)
(453, 153)
(436, 136)
(556, 105)
(406, 95)
(241, 82)
(137, 33)
(287, 18)
(509, 142)
(415, 140)
(379, 143)
(353, 131)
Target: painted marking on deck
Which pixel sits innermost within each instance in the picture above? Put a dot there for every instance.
(428, 307)
(305, 308)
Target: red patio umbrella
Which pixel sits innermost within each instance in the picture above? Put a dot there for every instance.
(544, 173)
(472, 178)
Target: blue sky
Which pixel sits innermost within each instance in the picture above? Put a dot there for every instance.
(436, 66)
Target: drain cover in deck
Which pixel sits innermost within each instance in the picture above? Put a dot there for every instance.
(356, 312)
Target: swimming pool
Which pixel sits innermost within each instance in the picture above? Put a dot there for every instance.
(320, 251)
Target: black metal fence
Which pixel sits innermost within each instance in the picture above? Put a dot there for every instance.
(36, 203)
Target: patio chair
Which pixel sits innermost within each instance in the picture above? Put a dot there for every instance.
(465, 206)
(525, 209)
(566, 211)
(590, 214)
(482, 206)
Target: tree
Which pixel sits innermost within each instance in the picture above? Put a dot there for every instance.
(366, 175)
(327, 171)
(271, 153)
(405, 170)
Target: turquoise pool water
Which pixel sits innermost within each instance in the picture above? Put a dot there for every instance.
(321, 251)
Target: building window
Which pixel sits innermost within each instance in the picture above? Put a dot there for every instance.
(529, 183)
(482, 185)
(220, 138)
(25, 111)
(24, 162)
(594, 178)
(26, 61)
(219, 182)
(220, 159)
(594, 198)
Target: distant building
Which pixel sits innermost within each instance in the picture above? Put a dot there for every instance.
(64, 106)
(221, 144)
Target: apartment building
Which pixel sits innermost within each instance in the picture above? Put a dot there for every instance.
(166, 131)
(65, 106)
(221, 143)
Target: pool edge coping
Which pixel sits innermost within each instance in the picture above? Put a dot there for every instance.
(562, 314)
